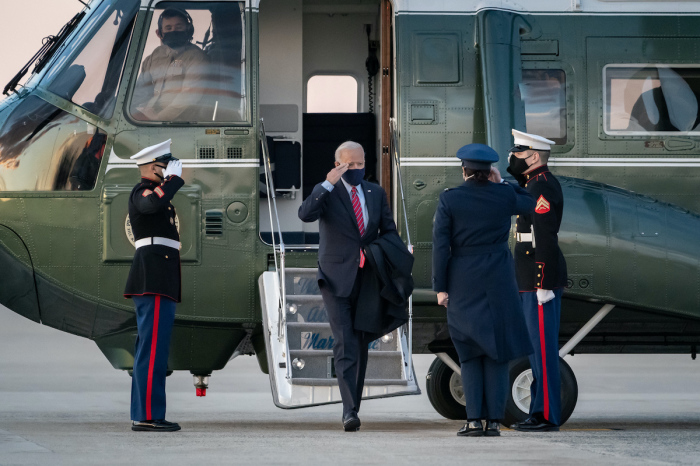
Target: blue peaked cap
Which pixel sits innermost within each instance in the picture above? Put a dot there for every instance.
(477, 156)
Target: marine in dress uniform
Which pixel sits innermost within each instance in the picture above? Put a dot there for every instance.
(154, 282)
(541, 273)
(474, 276)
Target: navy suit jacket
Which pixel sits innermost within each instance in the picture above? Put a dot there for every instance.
(339, 235)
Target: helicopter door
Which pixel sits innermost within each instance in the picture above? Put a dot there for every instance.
(317, 90)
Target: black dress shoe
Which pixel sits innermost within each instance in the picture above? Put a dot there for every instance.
(531, 421)
(493, 429)
(535, 425)
(471, 429)
(160, 425)
(351, 423)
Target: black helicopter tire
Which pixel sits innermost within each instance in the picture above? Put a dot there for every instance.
(437, 384)
(518, 373)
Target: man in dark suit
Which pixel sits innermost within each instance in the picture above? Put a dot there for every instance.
(351, 213)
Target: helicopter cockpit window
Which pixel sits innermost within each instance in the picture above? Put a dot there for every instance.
(193, 64)
(544, 95)
(652, 99)
(43, 148)
(92, 78)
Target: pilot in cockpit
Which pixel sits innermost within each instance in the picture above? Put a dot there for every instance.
(172, 79)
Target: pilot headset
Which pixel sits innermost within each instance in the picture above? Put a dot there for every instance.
(172, 11)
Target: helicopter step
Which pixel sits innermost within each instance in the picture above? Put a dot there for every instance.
(300, 346)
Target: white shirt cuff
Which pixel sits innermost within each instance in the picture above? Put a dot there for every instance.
(327, 184)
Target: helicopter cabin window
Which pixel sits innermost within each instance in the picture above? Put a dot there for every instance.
(652, 99)
(331, 94)
(193, 65)
(544, 95)
(92, 78)
(43, 148)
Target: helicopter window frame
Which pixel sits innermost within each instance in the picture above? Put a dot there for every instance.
(607, 78)
(70, 151)
(74, 44)
(569, 101)
(247, 65)
(81, 44)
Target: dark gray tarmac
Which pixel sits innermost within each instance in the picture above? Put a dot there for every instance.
(61, 403)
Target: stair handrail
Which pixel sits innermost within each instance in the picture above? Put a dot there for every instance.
(394, 150)
(272, 206)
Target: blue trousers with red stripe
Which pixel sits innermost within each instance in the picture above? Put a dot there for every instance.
(155, 316)
(543, 326)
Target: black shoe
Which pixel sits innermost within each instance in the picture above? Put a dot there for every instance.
(493, 429)
(160, 425)
(536, 425)
(351, 423)
(531, 421)
(471, 429)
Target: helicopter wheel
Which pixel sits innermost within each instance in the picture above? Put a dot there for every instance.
(445, 391)
(518, 404)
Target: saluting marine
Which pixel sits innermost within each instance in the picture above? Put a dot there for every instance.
(154, 282)
(541, 273)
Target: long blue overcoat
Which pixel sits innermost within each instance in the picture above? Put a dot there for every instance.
(473, 264)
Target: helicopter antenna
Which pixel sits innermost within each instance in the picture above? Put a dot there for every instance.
(86, 5)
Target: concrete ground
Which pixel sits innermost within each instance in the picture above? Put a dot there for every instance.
(61, 403)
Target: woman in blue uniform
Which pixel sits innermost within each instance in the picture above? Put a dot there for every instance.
(474, 276)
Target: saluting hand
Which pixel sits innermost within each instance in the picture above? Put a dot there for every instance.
(495, 175)
(174, 168)
(443, 298)
(334, 175)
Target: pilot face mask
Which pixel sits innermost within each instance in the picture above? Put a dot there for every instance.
(517, 165)
(354, 177)
(176, 39)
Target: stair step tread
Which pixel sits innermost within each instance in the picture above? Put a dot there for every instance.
(304, 297)
(333, 382)
(308, 325)
(292, 270)
(307, 353)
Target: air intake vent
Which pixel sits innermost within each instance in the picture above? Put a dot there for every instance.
(214, 223)
(234, 152)
(207, 152)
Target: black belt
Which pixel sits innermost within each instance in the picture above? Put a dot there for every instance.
(480, 249)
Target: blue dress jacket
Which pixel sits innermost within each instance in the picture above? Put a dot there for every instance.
(473, 264)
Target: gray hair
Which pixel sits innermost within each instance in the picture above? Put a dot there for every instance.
(347, 145)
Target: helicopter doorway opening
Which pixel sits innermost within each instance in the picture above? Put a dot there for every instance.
(318, 88)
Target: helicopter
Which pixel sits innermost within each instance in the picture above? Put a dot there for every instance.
(276, 87)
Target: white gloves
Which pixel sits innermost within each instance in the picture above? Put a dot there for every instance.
(544, 296)
(174, 168)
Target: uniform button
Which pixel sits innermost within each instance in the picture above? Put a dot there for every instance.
(527, 252)
(517, 216)
(166, 257)
(540, 266)
(170, 208)
(538, 275)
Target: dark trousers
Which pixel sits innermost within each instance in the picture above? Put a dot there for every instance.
(543, 327)
(155, 316)
(485, 384)
(351, 348)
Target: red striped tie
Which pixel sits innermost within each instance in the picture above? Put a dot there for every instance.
(358, 211)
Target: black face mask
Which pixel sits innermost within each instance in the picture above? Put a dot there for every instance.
(518, 166)
(355, 176)
(176, 39)
(158, 174)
